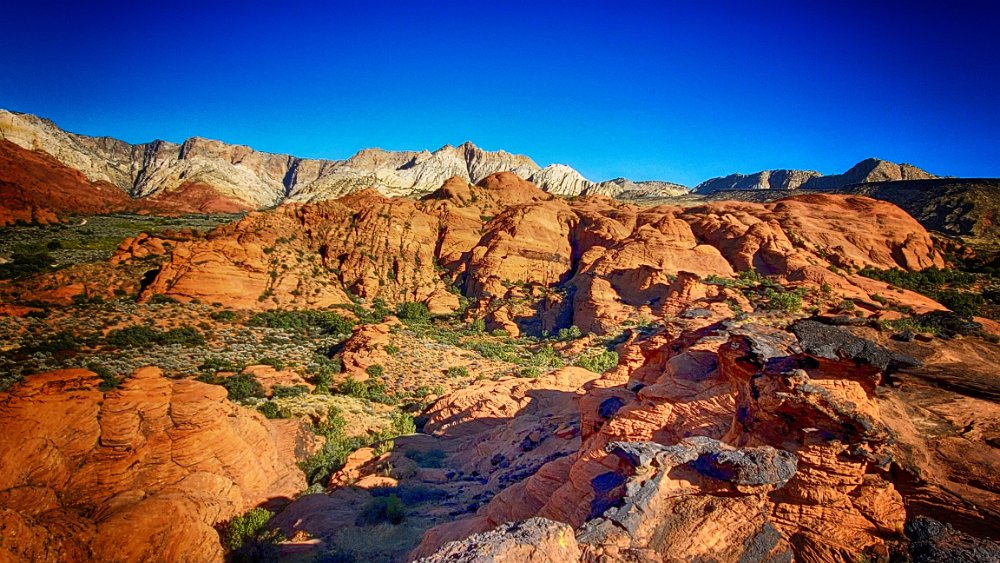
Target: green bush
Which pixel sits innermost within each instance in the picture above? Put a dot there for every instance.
(371, 390)
(457, 371)
(599, 362)
(26, 264)
(271, 409)
(185, 336)
(303, 321)
(531, 371)
(283, 391)
(375, 370)
(336, 448)
(787, 301)
(571, 333)
(109, 380)
(391, 349)
(412, 311)
(245, 528)
(243, 386)
(62, 341)
(382, 509)
(219, 364)
(224, 316)
(133, 336)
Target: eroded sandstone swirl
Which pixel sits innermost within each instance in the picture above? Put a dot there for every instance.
(142, 472)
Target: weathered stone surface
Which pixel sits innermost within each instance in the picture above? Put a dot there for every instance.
(535, 540)
(140, 472)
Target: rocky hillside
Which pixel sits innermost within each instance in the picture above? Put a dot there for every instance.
(211, 175)
(868, 170)
(611, 382)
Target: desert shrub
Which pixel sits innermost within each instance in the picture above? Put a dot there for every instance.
(546, 357)
(137, 336)
(226, 316)
(243, 386)
(457, 371)
(530, 371)
(599, 362)
(382, 509)
(219, 364)
(245, 528)
(899, 325)
(375, 370)
(371, 390)
(269, 361)
(161, 299)
(271, 409)
(26, 264)
(478, 326)
(303, 321)
(787, 301)
(133, 336)
(570, 333)
(432, 459)
(62, 341)
(283, 391)
(391, 349)
(413, 311)
(336, 448)
(185, 336)
(879, 299)
(402, 424)
(109, 380)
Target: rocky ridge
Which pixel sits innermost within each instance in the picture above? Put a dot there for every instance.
(234, 177)
(868, 170)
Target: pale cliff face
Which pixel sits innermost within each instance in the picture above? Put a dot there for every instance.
(257, 179)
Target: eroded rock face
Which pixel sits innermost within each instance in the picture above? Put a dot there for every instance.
(140, 472)
(535, 263)
(757, 443)
(535, 540)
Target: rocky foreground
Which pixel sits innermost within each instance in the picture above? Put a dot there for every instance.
(769, 403)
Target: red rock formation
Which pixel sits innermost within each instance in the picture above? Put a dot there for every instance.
(140, 472)
(37, 188)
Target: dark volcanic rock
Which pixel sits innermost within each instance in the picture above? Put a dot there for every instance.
(949, 324)
(934, 542)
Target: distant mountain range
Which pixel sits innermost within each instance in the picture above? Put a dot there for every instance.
(252, 179)
(46, 171)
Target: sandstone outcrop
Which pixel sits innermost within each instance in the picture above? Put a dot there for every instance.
(140, 472)
(756, 443)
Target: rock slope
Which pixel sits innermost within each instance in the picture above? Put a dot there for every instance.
(142, 472)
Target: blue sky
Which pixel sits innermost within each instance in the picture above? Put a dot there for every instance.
(678, 91)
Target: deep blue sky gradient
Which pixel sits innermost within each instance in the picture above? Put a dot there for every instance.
(678, 91)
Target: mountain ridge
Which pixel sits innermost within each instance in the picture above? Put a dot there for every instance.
(257, 179)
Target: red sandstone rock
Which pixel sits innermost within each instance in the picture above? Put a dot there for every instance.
(140, 472)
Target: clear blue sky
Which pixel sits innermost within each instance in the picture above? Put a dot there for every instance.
(660, 90)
